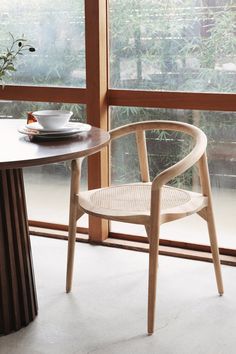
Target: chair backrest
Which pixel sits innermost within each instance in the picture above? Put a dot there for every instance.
(139, 128)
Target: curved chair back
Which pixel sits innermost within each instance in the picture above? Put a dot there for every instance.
(139, 128)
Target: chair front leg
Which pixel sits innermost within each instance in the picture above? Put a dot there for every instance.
(152, 282)
(153, 231)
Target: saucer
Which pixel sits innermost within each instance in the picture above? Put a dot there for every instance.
(70, 130)
(69, 127)
(37, 126)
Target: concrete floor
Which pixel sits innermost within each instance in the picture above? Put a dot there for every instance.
(106, 312)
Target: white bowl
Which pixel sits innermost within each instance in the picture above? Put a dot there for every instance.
(52, 119)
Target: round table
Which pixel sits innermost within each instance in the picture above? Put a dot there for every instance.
(18, 298)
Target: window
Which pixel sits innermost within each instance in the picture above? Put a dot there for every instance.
(56, 29)
(173, 45)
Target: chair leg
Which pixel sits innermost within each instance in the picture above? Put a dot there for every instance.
(152, 281)
(206, 190)
(75, 214)
(70, 255)
(71, 251)
(214, 249)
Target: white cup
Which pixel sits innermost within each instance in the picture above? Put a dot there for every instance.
(52, 119)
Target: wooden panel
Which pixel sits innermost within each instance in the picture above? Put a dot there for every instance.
(173, 100)
(43, 94)
(204, 256)
(18, 301)
(53, 226)
(153, 99)
(97, 107)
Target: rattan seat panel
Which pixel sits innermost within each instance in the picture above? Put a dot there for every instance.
(134, 198)
(131, 198)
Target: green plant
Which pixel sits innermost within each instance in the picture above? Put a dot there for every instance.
(176, 45)
(8, 58)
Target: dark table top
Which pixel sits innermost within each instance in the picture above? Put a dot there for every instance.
(17, 150)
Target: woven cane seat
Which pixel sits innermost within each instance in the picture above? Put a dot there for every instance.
(134, 200)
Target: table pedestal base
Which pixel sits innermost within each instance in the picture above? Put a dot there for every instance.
(18, 301)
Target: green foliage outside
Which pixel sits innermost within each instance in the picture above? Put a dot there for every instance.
(173, 45)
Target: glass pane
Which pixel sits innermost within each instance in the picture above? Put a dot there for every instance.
(47, 187)
(164, 149)
(56, 29)
(173, 45)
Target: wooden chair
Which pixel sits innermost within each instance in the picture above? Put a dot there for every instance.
(148, 203)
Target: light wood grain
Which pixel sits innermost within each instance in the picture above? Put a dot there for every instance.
(206, 191)
(96, 96)
(73, 216)
(43, 94)
(142, 155)
(173, 100)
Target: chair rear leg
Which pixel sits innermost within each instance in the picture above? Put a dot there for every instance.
(214, 249)
(71, 251)
(75, 214)
(209, 217)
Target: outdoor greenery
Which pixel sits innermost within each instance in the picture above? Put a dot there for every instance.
(8, 57)
(56, 29)
(173, 45)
